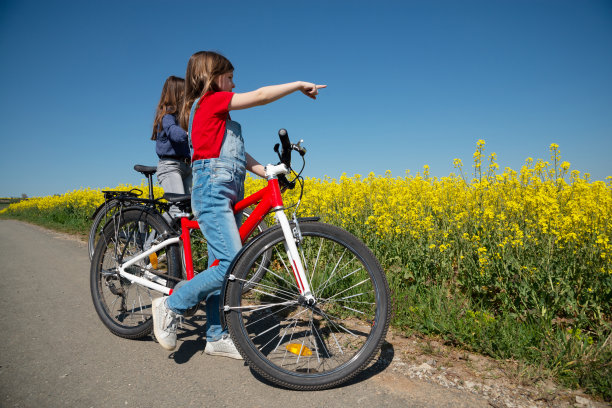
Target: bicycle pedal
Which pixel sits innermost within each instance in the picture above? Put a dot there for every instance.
(191, 311)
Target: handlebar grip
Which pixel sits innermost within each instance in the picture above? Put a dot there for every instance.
(284, 138)
(286, 147)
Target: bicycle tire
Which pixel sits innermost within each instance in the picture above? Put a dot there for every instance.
(125, 307)
(301, 346)
(101, 216)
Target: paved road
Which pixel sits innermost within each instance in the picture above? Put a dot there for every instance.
(55, 352)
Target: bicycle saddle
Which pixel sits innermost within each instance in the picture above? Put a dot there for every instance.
(177, 198)
(146, 170)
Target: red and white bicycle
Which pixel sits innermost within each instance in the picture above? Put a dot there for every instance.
(306, 303)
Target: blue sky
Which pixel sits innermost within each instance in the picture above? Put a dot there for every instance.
(410, 83)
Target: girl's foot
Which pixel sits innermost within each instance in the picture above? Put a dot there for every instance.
(164, 324)
(223, 347)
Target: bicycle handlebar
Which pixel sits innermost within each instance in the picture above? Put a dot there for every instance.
(285, 155)
(284, 138)
(287, 147)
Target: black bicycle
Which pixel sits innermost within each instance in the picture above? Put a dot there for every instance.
(116, 202)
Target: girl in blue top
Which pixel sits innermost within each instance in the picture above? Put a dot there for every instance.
(171, 142)
(219, 166)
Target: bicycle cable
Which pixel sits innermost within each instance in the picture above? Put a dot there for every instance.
(300, 180)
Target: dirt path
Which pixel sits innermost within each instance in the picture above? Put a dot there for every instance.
(54, 351)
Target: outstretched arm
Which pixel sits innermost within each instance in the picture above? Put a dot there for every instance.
(268, 94)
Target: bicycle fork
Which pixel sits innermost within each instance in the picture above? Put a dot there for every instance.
(297, 267)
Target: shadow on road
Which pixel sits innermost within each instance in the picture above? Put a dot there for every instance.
(377, 366)
(193, 342)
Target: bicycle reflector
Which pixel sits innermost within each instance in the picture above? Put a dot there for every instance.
(299, 349)
(153, 260)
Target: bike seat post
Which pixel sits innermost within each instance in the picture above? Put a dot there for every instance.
(150, 177)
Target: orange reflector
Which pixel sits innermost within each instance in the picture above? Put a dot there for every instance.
(153, 260)
(299, 349)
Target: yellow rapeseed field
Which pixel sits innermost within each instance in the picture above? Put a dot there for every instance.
(537, 240)
(83, 201)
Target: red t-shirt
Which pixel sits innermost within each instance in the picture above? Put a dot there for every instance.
(208, 126)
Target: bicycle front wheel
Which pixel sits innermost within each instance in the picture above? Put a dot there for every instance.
(123, 306)
(295, 344)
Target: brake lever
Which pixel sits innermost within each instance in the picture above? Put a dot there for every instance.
(298, 148)
(277, 150)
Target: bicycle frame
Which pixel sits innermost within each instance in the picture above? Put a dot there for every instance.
(267, 199)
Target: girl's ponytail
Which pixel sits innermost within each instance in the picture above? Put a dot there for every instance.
(170, 102)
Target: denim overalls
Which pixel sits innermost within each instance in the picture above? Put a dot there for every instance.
(218, 184)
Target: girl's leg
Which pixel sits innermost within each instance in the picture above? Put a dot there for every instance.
(216, 189)
(171, 180)
(187, 178)
(169, 175)
(214, 331)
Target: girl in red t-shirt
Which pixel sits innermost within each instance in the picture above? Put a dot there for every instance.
(219, 164)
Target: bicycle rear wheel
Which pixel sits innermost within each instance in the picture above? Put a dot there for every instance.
(125, 307)
(302, 346)
(104, 213)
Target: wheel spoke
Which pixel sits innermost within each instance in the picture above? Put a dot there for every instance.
(337, 281)
(288, 270)
(265, 316)
(316, 261)
(332, 274)
(354, 286)
(276, 288)
(256, 308)
(345, 299)
(332, 322)
(271, 288)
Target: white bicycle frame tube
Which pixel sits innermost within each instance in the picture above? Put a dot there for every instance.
(142, 281)
(294, 257)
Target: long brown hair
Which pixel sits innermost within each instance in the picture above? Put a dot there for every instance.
(203, 68)
(170, 101)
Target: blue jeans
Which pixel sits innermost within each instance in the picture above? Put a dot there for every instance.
(217, 185)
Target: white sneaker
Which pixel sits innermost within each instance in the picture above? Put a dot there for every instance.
(164, 323)
(223, 347)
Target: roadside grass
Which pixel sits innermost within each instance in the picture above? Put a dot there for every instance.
(551, 348)
(64, 221)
